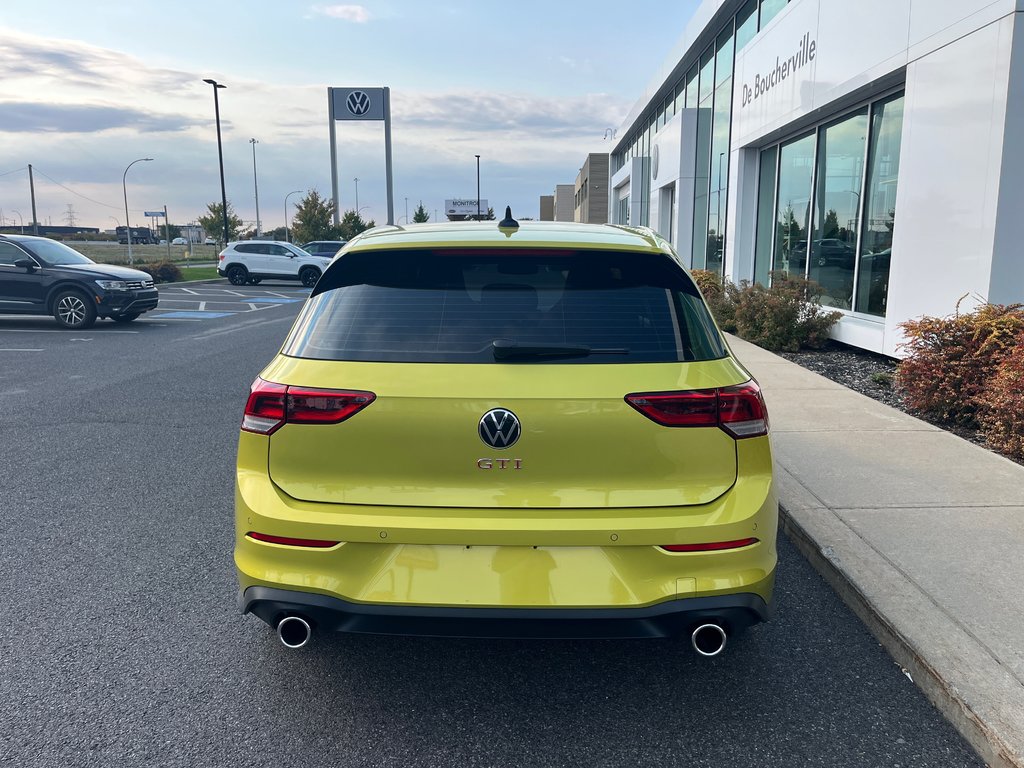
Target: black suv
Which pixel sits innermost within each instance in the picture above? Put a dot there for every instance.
(324, 247)
(39, 276)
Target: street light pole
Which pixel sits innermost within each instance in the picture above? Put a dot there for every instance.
(256, 185)
(124, 188)
(356, 180)
(478, 187)
(296, 192)
(220, 154)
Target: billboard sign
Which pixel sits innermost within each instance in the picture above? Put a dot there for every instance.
(154, 213)
(358, 103)
(465, 206)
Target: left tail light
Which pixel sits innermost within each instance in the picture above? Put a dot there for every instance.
(739, 410)
(270, 406)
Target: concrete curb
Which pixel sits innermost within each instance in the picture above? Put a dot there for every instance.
(954, 669)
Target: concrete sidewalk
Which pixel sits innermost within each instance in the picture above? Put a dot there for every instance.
(919, 531)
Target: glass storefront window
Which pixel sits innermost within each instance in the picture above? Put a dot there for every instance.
(880, 206)
(691, 88)
(770, 9)
(765, 211)
(705, 120)
(793, 205)
(746, 24)
(723, 56)
(700, 184)
(707, 74)
(839, 177)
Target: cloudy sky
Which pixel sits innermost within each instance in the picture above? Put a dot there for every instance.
(531, 86)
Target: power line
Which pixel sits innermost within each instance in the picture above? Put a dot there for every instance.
(79, 194)
(16, 170)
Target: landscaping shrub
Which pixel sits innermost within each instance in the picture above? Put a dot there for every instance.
(784, 317)
(950, 361)
(1002, 404)
(717, 293)
(162, 271)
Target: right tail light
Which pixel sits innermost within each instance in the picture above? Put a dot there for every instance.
(738, 410)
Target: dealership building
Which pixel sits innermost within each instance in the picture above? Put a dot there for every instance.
(876, 146)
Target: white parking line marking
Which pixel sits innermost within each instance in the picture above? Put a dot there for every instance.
(19, 350)
(43, 330)
(188, 290)
(202, 306)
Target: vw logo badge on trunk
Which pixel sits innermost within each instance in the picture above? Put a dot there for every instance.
(499, 428)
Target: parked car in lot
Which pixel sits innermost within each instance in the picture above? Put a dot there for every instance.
(324, 247)
(251, 261)
(832, 251)
(179, 241)
(522, 431)
(209, 241)
(39, 276)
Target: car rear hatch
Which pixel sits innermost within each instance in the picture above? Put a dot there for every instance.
(431, 343)
(420, 441)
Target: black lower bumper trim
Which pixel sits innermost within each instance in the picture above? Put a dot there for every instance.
(673, 618)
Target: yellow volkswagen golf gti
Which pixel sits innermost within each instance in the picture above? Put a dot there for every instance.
(506, 430)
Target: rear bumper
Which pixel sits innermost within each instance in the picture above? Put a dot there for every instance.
(527, 563)
(673, 618)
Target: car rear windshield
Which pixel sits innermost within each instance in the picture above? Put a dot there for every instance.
(488, 306)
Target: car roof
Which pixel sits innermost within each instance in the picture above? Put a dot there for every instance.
(260, 240)
(22, 238)
(529, 234)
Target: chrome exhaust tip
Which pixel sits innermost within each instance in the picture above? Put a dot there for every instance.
(708, 639)
(293, 631)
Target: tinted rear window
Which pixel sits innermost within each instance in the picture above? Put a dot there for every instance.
(426, 306)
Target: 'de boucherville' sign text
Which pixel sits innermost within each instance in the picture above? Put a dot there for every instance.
(764, 82)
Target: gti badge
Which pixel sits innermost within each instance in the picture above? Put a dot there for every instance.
(499, 428)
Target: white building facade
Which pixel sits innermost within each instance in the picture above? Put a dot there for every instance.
(876, 147)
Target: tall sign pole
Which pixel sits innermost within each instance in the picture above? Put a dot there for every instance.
(387, 154)
(334, 156)
(167, 234)
(361, 104)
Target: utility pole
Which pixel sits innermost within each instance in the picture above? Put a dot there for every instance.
(32, 188)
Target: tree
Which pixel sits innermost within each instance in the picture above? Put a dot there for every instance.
(831, 227)
(420, 216)
(351, 225)
(313, 219)
(213, 222)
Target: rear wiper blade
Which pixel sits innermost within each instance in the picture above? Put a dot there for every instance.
(505, 349)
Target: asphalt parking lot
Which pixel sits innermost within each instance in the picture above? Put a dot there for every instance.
(122, 644)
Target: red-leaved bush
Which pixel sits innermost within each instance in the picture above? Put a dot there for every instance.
(1002, 404)
(951, 360)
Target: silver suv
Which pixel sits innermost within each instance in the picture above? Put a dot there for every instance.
(254, 260)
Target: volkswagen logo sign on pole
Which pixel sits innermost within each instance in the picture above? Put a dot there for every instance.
(360, 104)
